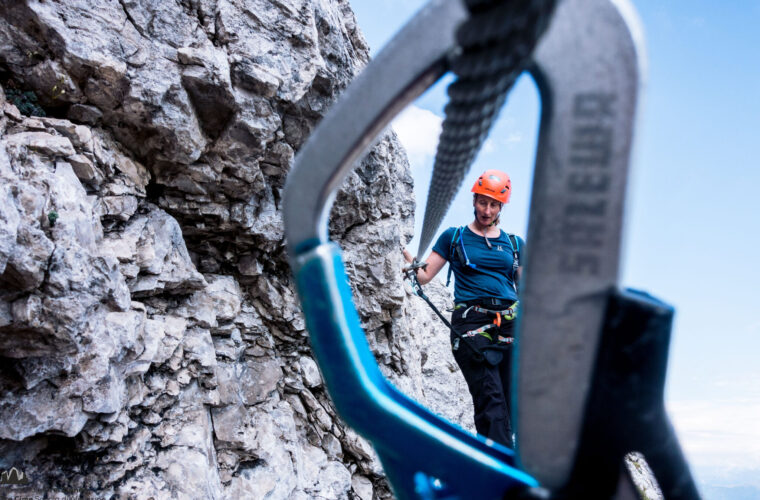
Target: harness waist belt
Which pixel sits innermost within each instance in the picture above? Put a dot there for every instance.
(488, 302)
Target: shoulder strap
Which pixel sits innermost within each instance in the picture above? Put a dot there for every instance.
(452, 247)
(515, 257)
(515, 249)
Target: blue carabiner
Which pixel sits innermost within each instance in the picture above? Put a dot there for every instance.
(423, 455)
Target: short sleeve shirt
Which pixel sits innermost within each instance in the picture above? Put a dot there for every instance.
(492, 274)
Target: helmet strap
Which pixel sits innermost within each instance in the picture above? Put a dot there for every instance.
(496, 220)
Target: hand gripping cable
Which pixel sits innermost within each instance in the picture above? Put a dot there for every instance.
(411, 275)
(591, 358)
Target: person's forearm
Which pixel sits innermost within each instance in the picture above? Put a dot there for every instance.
(433, 265)
(422, 275)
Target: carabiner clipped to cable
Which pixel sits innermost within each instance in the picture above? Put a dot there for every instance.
(423, 455)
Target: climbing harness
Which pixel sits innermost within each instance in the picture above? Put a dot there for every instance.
(483, 330)
(508, 314)
(591, 358)
(411, 275)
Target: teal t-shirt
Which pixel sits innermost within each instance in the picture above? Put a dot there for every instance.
(493, 275)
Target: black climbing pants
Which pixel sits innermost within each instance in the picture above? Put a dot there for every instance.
(489, 382)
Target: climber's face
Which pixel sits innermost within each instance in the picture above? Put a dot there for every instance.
(486, 209)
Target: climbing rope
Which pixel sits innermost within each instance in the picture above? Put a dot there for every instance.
(496, 42)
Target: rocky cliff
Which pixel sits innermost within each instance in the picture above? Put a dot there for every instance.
(151, 345)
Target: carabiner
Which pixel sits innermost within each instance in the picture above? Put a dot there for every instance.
(421, 453)
(588, 71)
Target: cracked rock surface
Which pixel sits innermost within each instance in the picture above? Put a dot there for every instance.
(151, 343)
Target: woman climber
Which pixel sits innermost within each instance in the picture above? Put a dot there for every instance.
(485, 263)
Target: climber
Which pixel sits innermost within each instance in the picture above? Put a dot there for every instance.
(485, 263)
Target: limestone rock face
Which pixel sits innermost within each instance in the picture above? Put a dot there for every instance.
(151, 342)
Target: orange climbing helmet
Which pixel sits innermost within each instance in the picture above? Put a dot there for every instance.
(494, 184)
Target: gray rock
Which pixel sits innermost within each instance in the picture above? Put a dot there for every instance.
(9, 222)
(83, 113)
(6, 315)
(188, 460)
(249, 266)
(643, 477)
(53, 146)
(154, 243)
(25, 270)
(125, 329)
(442, 388)
(259, 379)
(171, 330)
(331, 445)
(106, 396)
(256, 78)
(328, 479)
(12, 112)
(362, 487)
(79, 135)
(85, 169)
(118, 207)
(135, 173)
(225, 294)
(310, 372)
(199, 348)
(275, 478)
(206, 78)
(45, 409)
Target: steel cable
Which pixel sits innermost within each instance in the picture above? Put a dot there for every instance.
(496, 43)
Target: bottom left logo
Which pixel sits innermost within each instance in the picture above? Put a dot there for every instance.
(13, 476)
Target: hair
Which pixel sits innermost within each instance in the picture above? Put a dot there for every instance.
(475, 200)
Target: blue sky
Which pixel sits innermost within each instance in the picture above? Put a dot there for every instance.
(693, 219)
